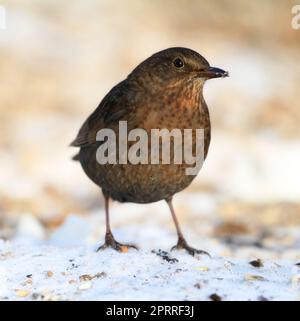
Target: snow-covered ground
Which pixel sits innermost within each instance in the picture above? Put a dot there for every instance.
(79, 273)
(67, 267)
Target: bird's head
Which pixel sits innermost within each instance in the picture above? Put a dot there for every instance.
(174, 65)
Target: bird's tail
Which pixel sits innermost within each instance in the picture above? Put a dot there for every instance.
(75, 157)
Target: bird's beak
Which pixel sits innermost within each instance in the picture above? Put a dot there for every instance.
(213, 72)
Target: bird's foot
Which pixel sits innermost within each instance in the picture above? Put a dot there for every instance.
(182, 245)
(110, 242)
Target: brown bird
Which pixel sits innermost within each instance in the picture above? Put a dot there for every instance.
(163, 92)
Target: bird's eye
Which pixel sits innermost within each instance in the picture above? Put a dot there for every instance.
(178, 63)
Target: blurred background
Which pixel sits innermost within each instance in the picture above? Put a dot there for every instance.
(57, 61)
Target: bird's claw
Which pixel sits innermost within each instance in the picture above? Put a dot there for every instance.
(182, 245)
(110, 242)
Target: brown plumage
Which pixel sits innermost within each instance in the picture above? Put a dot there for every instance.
(164, 91)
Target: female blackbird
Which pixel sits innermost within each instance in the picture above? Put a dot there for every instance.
(163, 92)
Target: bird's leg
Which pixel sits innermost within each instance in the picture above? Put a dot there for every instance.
(182, 244)
(109, 238)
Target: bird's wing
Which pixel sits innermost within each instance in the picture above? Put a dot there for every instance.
(115, 106)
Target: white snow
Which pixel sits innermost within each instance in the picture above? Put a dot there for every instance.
(67, 267)
(138, 276)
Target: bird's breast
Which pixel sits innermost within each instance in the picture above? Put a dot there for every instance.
(181, 113)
